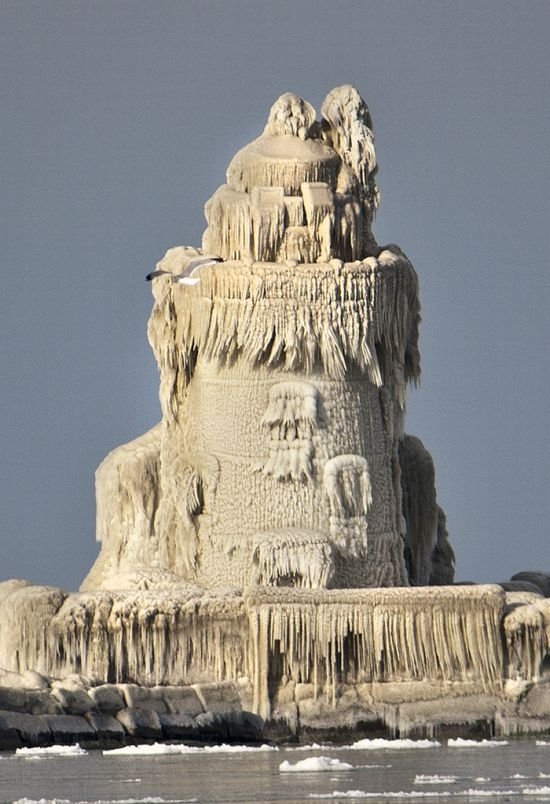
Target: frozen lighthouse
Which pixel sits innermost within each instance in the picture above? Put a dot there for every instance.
(283, 376)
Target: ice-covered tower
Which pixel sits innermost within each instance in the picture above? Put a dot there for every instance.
(283, 374)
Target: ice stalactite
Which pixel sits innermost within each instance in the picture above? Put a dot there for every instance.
(361, 635)
(292, 405)
(268, 222)
(319, 209)
(150, 637)
(293, 557)
(347, 485)
(527, 631)
(27, 612)
(290, 420)
(289, 460)
(349, 535)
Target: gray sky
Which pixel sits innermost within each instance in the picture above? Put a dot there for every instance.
(118, 121)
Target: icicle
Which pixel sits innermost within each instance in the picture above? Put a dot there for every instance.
(347, 485)
(293, 557)
(445, 634)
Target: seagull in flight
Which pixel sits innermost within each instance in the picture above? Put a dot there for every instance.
(186, 277)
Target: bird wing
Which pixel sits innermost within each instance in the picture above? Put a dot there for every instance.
(154, 274)
(199, 262)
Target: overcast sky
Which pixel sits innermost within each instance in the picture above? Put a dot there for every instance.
(118, 122)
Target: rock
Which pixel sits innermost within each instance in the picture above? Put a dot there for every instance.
(539, 579)
(182, 700)
(107, 698)
(219, 698)
(74, 702)
(178, 726)
(32, 730)
(32, 702)
(149, 698)
(69, 729)
(244, 727)
(212, 727)
(140, 722)
(9, 735)
(520, 586)
(106, 726)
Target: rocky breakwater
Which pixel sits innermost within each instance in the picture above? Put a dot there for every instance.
(38, 711)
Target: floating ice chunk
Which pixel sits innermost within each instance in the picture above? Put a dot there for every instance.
(42, 801)
(458, 742)
(476, 793)
(435, 779)
(179, 748)
(314, 764)
(143, 750)
(52, 750)
(147, 800)
(381, 743)
(314, 747)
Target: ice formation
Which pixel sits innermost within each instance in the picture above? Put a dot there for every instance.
(282, 383)
(278, 526)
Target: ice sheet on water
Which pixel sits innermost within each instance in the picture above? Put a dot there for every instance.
(421, 778)
(180, 748)
(52, 750)
(458, 742)
(393, 745)
(315, 764)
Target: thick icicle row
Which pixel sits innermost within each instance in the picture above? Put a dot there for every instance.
(527, 631)
(396, 634)
(333, 314)
(293, 557)
(149, 638)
